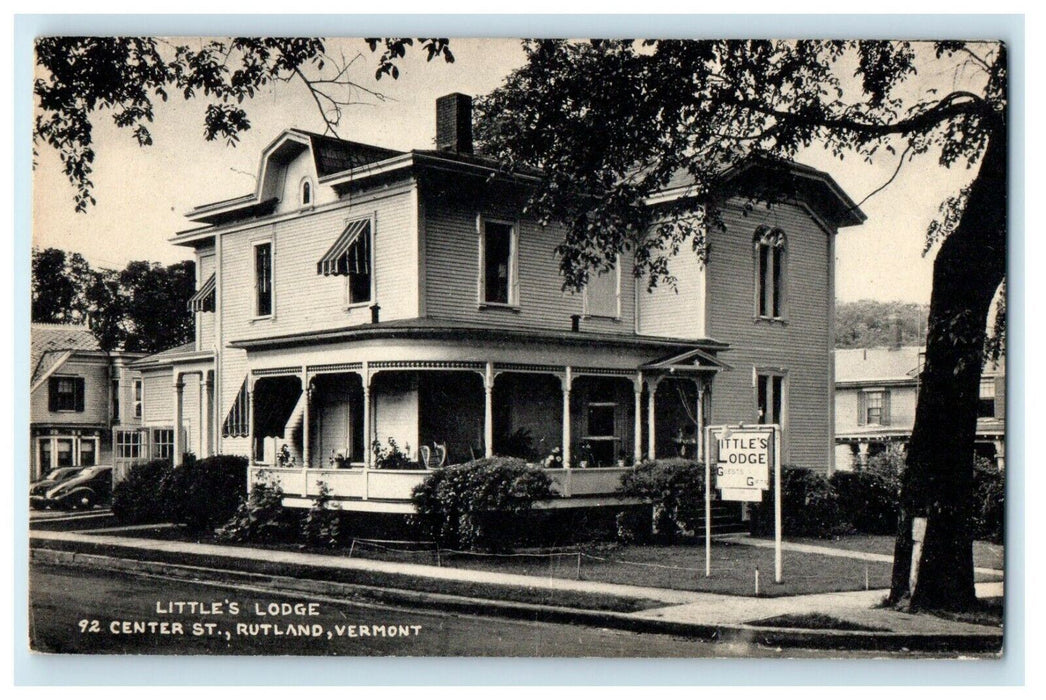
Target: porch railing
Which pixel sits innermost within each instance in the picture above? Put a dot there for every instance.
(397, 484)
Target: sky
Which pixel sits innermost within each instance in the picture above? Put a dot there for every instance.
(143, 193)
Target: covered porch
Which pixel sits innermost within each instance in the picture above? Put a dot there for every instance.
(371, 419)
(586, 426)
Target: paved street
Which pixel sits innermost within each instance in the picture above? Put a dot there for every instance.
(125, 614)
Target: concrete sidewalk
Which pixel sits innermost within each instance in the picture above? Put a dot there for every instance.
(677, 611)
(830, 551)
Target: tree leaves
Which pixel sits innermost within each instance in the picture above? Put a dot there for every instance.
(614, 122)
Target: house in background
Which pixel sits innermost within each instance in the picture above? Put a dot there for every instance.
(876, 391)
(363, 294)
(77, 393)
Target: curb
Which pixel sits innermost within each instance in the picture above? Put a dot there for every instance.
(360, 593)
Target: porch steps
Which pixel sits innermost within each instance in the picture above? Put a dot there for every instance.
(726, 519)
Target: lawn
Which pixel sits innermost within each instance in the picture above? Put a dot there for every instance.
(680, 566)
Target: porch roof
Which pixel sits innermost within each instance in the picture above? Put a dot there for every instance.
(695, 360)
(435, 328)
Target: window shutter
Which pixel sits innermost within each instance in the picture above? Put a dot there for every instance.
(886, 408)
(862, 407)
(78, 392)
(52, 394)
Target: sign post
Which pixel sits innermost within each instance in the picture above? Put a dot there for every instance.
(743, 457)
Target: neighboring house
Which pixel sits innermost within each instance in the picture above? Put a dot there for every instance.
(77, 393)
(362, 294)
(876, 390)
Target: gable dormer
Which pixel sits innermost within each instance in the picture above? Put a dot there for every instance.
(290, 177)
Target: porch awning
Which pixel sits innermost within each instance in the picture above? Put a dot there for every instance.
(203, 300)
(690, 361)
(350, 254)
(274, 401)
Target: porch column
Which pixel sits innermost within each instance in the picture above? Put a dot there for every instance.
(367, 455)
(699, 444)
(206, 387)
(651, 421)
(306, 387)
(568, 380)
(179, 444)
(1000, 454)
(250, 418)
(637, 449)
(862, 454)
(488, 411)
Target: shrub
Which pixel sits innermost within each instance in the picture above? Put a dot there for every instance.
(144, 495)
(321, 526)
(260, 517)
(206, 493)
(808, 506)
(869, 498)
(481, 504)
(675, 488)
(988, 511)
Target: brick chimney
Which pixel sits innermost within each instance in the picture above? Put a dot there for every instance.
(454, 123)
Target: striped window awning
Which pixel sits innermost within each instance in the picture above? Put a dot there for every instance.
(203, 300)
(350, 254)
(236, 423)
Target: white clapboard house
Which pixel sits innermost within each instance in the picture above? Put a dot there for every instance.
(363, 293)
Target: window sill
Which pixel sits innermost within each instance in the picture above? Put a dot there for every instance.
(771, 320)
(260, 319)
(359, 305)
(598, 317)
(499, 306)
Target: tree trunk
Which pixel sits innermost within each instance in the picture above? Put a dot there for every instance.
(938, 478)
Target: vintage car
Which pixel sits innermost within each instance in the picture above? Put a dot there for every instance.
(90, 487)
(52, 479)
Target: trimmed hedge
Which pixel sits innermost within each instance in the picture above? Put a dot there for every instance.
(479, 505)
(202, 494)
(205, 493)
(676, 489)
(144, 494)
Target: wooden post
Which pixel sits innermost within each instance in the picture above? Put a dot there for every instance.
(567, 381)
(637, 451)
(651, 424)
(306, 388)
(367, 428)
(179, 444)
(488, 411)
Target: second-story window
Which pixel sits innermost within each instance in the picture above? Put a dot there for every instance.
(263, 279)
(66, 394)
(498, 262)
(986, 399)
(137, 398)
(603, 294)
(769, 272)
(306, 192)
(115, 395)
(351, 256)
(873, 407)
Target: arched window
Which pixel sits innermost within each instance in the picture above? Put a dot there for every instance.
(306, 192)
(770, 249)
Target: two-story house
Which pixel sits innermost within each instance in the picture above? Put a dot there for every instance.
(77, 393)
(876, 391)
(361, 294)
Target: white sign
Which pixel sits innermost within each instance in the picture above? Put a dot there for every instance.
(743, 458)
(748, 495)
